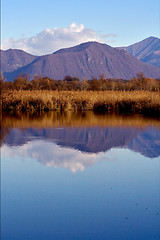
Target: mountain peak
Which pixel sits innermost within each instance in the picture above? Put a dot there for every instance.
(145, 41)
(151, 38)
(81, 47)
(12, 59)
(13, 51)
(147, 50)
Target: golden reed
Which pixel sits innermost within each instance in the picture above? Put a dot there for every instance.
(144, 102)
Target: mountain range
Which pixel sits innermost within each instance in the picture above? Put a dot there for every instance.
(86, 60)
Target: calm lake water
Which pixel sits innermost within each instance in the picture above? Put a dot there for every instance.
(80, 177)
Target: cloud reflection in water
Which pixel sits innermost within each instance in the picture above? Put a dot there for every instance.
(52, 155)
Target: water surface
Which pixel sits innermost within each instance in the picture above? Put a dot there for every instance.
(80, 176)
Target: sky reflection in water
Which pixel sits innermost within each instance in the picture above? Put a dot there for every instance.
(56, 186)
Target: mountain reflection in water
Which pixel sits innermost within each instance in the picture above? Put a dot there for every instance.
(50, 137)
(80, 177)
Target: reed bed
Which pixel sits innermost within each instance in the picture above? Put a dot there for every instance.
(143, 102)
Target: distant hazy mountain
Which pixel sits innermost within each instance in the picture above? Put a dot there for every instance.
(87, 60)
(147, 50)
(13, 59)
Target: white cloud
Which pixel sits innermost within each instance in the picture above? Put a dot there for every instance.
(53, 39)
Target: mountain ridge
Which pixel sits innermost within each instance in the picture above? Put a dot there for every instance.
(147, 50)
(12, 59)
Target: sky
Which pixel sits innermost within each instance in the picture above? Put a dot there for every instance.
(44, 26)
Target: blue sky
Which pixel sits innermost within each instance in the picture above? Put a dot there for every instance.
(117, 23)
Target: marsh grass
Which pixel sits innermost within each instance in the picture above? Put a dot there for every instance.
(143, 102)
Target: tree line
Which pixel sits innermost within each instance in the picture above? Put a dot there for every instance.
(69, 83)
